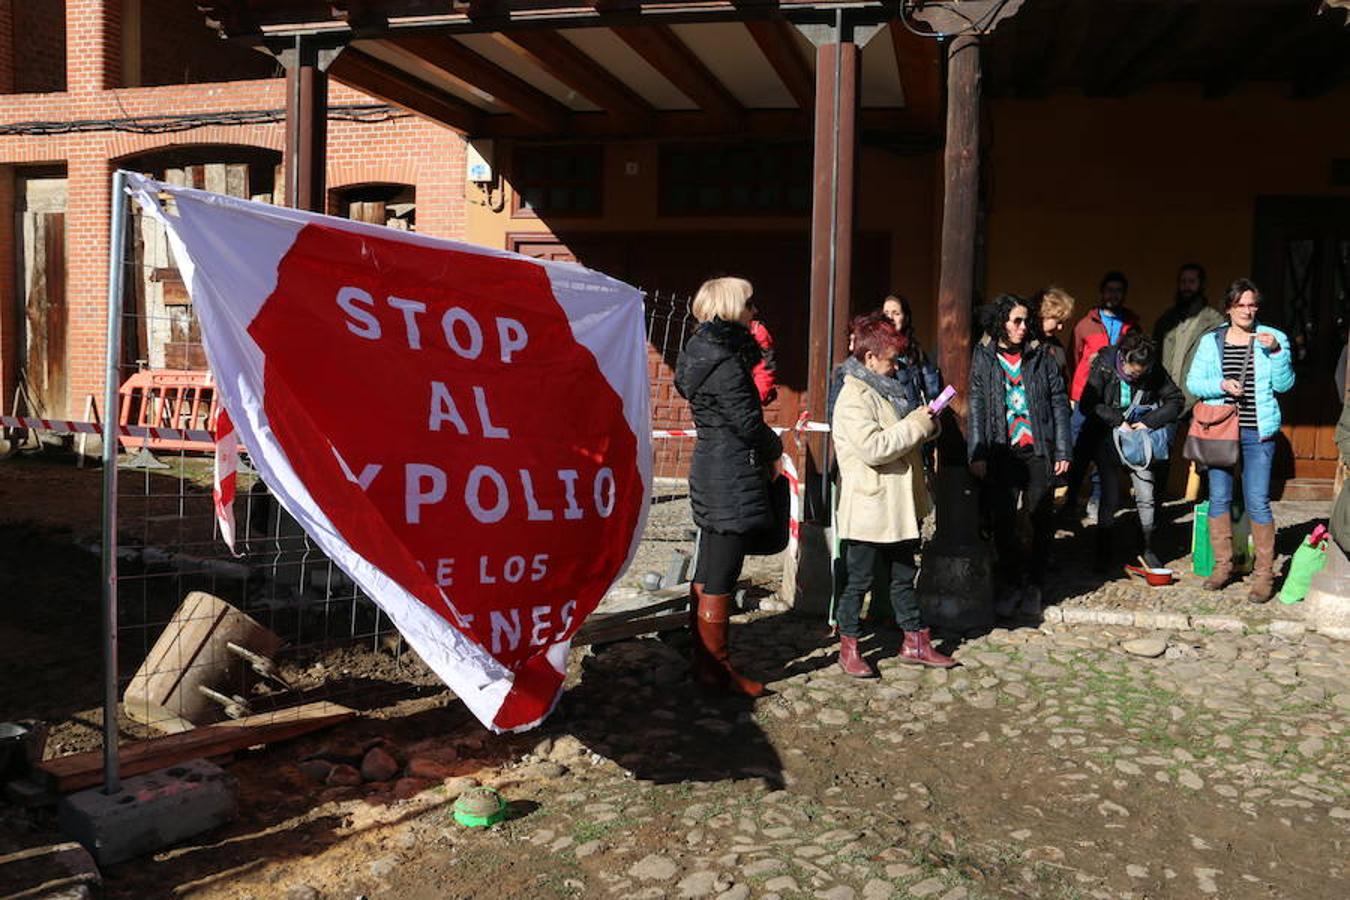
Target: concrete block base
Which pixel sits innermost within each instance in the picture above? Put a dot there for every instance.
(150, 811)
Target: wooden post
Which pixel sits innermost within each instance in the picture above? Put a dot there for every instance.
(961, 177)
(956, 584)
(306, 155)
(832, 221)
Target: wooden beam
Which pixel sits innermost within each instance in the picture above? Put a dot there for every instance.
(474, 71)
(566, 62)
(919, 60)
(666, 53)
(775, 40)
(960, 206)
(1071, 35)
(379, 79)
(885, 127)
(1114, 72)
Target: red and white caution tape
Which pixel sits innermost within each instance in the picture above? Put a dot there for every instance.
(68, 426)
(778, 429)
(226, 473)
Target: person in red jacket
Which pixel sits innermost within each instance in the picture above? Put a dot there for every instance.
(765, 372)
(1103, 326)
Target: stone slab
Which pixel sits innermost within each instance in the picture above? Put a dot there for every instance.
(149, 812)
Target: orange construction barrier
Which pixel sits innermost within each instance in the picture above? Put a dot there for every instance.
(168, 398)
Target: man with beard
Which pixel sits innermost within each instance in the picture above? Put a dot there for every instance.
(1179, 330)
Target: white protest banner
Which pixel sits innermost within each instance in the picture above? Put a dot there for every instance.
(464, 431)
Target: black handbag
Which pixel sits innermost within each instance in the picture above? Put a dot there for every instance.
(774, 538)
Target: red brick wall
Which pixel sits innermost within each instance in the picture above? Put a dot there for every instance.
(404, 149)
(93, 45)
(178, 47)
(39, 36)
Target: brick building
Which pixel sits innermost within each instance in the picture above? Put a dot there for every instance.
(87, 86)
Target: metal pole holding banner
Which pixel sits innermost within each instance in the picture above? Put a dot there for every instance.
(116, 276)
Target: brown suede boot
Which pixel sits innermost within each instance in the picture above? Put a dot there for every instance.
(1221, 542)
(851, 661)
(918, 649)
(714, 669)
(1261, 585)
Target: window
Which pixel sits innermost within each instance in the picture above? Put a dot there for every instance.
(557, 181)
(740, 179)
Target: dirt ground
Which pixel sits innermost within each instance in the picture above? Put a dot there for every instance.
(1051, 764)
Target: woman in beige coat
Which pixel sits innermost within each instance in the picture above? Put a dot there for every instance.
(878, 439)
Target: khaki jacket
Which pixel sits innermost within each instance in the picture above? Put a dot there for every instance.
(1179, 345)
(882, 494)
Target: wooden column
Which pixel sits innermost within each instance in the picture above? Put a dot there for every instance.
(961, 176)
(832, 221)
(306, 154)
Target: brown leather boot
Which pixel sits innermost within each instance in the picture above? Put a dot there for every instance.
(851, 661)
(714, 669)
(918, 649)
(705, 671)
(1221, 542)
(1261, 585)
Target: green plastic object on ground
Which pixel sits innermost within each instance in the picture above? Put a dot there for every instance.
(1308, 560)
(480, 807)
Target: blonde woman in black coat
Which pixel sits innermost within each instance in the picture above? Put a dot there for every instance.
(736, 457)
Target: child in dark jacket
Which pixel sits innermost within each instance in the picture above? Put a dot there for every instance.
(1127, 389)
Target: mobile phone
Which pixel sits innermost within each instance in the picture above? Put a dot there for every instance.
(940, 402)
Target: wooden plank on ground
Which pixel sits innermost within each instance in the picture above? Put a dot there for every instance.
(83, 770)
(604, 632)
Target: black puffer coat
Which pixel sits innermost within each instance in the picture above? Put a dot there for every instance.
(735, 451)
(1047, 401)
(1102, 401)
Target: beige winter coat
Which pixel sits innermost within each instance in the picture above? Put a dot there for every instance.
(882, 494)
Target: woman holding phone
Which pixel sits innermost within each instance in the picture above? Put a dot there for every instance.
(1247, 364)
(878, 433)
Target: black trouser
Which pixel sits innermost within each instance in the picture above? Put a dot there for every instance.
(1010, 474)
(862, 558)
(720, 557)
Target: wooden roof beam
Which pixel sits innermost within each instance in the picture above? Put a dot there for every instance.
(920, 61)
(474, 71)
(666, 53)
(566, 62)
(780, 49)
(388, 83)
(1112, 73)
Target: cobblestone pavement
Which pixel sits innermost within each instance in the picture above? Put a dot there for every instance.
(1052, 763)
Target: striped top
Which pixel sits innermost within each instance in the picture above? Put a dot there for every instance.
(1234, 358)
(1015, 400)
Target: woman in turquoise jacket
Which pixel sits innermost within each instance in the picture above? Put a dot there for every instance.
(1247, 364)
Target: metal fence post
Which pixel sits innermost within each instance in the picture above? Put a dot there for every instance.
(116, 273)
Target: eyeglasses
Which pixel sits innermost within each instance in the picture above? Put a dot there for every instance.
(1017, 321)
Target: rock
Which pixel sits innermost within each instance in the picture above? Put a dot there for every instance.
(926, 888)
(838, 892)
(1189, 779)
(783, 884)
(735, 892)
(761, 867)
(1149, 647)
(428, 767)
(567, 748)
(302, 892)
(1136, 871)
(1205, 880)
(699, 884)
(316, 770)
(378, 765)
(653, 867)
(406, 788)
(344, 775)
(876, 889)
(458, 785)
(543, 770)
(384, 867)
(832, 716)
(957, 893)
(586, 849)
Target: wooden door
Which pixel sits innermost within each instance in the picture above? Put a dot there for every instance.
(46, 319)
(1303, 267)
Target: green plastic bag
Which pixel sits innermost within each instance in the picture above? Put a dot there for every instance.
(1308, 561)
(1202, 554)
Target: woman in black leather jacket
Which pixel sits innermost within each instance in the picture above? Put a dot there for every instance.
(1018, 440)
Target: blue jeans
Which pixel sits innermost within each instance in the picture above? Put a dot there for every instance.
(1256, 459)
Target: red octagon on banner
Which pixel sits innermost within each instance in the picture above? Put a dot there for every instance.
(440, 412)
